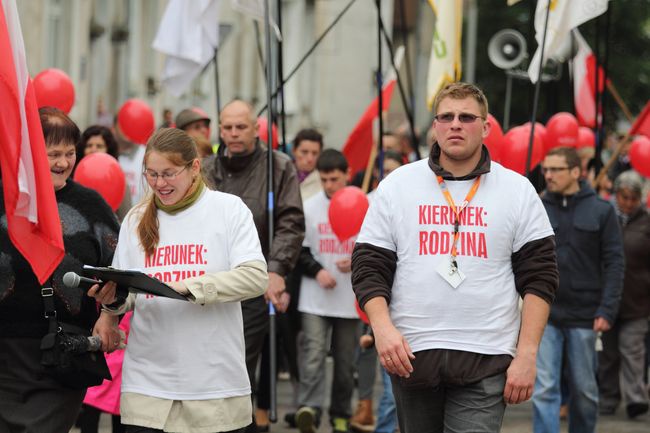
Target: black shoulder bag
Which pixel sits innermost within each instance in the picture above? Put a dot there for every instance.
(68, 354)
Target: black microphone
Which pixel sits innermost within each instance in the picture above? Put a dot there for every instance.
(74, 281)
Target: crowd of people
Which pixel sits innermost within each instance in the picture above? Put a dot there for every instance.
(478, 292)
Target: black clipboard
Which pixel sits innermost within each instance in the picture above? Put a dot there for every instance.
(132, 281)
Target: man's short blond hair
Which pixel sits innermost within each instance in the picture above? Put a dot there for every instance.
(460, 90)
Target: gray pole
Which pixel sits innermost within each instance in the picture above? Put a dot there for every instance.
(506, 111)
(470, 43)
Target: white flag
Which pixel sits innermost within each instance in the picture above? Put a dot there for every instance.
(188, 35)
(444, 63)
(564, 15)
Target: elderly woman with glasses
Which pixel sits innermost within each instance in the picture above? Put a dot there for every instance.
(623, 345)
(184, 368)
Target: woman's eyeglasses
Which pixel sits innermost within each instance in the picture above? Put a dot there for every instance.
(462, 117)
(152, 176)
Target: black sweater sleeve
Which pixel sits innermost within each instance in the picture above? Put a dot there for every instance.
(535, 269)
(306, 261)
(373, 271)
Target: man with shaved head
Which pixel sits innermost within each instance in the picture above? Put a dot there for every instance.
(240, 168)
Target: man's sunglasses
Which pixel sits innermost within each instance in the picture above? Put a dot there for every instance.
(462, 117)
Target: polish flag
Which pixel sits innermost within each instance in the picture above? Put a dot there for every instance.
(32, 214)
(359, 143)
(584, 82)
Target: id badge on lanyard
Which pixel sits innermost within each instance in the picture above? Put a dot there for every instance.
(449, 270)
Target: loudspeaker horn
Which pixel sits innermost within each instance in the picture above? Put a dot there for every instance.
(507, 49)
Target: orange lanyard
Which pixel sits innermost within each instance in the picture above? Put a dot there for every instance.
(457, 212)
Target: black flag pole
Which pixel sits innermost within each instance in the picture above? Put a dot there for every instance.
(405, 102)
(533, 117)
(270, 206)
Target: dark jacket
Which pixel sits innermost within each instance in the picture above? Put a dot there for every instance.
(635, 303)
(589, 256)
(246, 177)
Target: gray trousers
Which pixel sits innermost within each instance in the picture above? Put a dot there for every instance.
(622, 363)
(367, 372)
(312, 368)
(31, 402)
(475, 408)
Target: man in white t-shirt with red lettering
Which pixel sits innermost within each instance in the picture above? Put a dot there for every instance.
(327, 305)
(448, 246)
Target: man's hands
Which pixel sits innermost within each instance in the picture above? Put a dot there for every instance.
(325, 279)
(107, 329)
(601, 324)
(520, 379)
(344, 265)
(276, 292)
(394, 351)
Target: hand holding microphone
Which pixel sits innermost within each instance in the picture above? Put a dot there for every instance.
(104, 295)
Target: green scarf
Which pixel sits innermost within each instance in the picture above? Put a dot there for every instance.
(186, 202)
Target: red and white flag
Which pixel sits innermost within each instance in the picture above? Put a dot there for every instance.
(359, 144)
(32, 214)
(584, 82)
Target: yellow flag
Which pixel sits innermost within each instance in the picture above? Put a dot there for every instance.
(445, 62)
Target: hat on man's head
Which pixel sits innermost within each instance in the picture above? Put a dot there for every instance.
(190, 115)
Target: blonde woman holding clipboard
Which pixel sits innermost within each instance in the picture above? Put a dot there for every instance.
(184, 368)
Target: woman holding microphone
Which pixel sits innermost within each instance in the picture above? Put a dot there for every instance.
(184, 367)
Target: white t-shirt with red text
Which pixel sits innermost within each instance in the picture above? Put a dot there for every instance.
(178, 350)
(327, 250)
(410, 216)
(132, 167)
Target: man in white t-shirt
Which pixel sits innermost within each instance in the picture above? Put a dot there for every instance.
(446, 249)
(327, 305)
(130, 158)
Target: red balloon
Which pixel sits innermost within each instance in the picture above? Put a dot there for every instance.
(540, 134)
(263, 131)
(541, 129)
(640, 155)
(362, 314)
(347, 210)
(586, 137)
(561, 130)
(494, 140)
(54, 88)
(136, 120)
(102, 172)
(515, 149)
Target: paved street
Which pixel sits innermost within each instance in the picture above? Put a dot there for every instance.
(518, 418)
